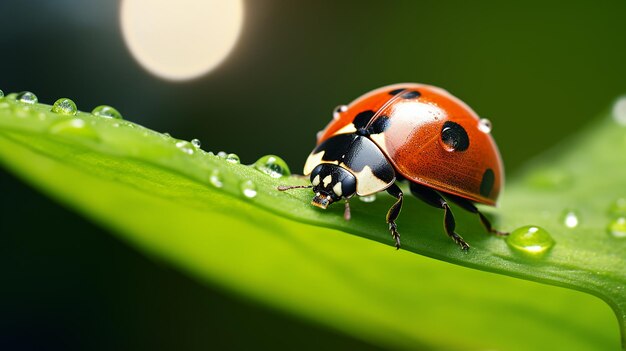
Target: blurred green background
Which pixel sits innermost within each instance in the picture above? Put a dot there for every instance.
(539, 70)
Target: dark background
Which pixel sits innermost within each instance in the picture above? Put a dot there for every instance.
(539, 70)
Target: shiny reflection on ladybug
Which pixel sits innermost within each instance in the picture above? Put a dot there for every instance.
(407, 132)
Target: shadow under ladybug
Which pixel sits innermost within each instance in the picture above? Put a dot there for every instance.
(413, 132)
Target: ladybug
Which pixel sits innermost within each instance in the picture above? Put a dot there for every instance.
(413, 132)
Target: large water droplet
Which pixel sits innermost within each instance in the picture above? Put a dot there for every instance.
(222, 154)
(619, 111)
(273, 166)
(617, 227)
(64, 106)
(232, 158)
(107, 112)
(185, 147)
(531, 240)
(196, 143)
(74, 128)
(570, 218)
(215, 179)
(26, 97)
(1, 93)
(368, 198)
(248, 189)
(618, 208)
(484, 125)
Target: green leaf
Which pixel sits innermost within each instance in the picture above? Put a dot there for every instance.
(187, 206)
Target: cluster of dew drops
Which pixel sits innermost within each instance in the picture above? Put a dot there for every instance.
(271, 165)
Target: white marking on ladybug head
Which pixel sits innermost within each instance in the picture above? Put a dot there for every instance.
(327, 180)
(337, 188)
(347, 129)
(367, 183)
(316, 180)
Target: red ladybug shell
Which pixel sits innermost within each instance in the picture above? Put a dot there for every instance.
(417, 114)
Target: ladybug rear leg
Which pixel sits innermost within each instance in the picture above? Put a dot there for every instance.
(394, 211)
(435, 199)
(469, 206)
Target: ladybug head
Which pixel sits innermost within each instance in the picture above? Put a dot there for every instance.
(331, 183)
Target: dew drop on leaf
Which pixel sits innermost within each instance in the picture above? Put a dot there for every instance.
(1, 93)
(65, 106)
(232, 158)
(215, 179)
(185, 147)
(75, 127)
(617, 227)
(196, 143)
(222, 154)
(107, 112)
(273, 166)
(570, 218)
(531, 240)
(368, 198)
(26, 97)
(248, 189)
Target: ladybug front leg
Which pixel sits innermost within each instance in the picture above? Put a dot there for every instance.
(435, 199)
(394, 211)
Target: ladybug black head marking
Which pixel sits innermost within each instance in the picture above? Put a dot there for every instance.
(331, 183)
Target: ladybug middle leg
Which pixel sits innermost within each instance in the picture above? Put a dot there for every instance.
(394, 211)
(469, 206)
(435, 199)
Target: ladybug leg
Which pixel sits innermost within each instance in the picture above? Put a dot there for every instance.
(394, 211)
(469, 206)
(435, 199)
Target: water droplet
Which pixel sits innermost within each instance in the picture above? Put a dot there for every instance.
(619, 111)
(215, 179)
(570, 218)
(484, 125)
(167, 135)
(232, 158)
(319, 134)
(618, 208)
(531, 240)
(64, 106)
(75, 128)
(368, 198)
(1, 93)
(185, 147)
(248, 189)
(273, 166)
(339, 110)
(26, 97)
(196, 143)
(222, 154)
(107, 112)
(617, 227)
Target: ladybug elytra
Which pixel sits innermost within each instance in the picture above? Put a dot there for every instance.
(413, 132)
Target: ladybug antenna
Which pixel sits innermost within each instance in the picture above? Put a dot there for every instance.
(289, 187)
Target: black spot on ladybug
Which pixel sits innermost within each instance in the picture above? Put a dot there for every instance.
(379, 125)
(455, 136)
(411, 94)
(486, 184)
(335, 148)
(396, 91)
(361, 120)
